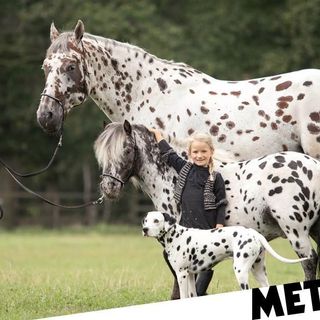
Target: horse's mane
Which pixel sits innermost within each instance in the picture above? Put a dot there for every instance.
(60, 45)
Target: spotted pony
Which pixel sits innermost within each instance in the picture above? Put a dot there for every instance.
(278, 195)
(251, 118)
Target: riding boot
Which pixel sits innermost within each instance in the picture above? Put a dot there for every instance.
(203, 281)
(175, 290)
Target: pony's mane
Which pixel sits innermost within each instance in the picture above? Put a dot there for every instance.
(60, 45)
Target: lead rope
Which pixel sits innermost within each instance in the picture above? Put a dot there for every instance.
(95, 202)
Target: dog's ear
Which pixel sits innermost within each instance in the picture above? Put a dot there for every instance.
(169, 218)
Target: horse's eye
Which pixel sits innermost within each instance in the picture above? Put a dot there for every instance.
(156, 221)
(71, 67)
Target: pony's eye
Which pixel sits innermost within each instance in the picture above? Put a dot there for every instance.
(156, 221)
(71, 67)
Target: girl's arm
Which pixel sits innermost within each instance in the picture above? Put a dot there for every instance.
(167, 153)
(221, 201)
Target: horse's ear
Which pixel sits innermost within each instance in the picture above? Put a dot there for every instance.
(79, 31)
(54, 33)
(127, 127)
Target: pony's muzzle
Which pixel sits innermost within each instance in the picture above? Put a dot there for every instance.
(110, 188)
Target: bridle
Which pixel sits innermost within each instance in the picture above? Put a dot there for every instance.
(123, 181)
(14, 173)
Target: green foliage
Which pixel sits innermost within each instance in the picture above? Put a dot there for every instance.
(226, 39)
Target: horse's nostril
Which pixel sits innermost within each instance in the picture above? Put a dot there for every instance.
(49, 115)
(111, 184)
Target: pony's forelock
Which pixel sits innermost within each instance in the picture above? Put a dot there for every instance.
(108, 146)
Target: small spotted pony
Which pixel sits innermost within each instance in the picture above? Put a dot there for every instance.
(278, 195)
(250, 118)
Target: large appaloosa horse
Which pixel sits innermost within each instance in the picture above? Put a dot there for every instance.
(277, 195)
(250, 118)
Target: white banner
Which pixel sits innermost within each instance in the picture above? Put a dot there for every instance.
(289, 301)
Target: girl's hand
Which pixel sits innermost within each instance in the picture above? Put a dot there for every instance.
(218, 225)
(157, 133)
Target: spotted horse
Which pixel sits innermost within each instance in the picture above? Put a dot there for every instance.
(251, 118)
(278, 195)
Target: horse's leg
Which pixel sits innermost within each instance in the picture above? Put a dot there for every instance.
(258, 270)
(175, 290)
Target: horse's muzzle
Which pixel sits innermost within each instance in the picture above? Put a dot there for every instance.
(50, 122)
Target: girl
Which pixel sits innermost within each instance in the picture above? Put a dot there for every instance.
(200, 190)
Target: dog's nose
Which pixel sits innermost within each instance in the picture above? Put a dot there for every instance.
(145, 230)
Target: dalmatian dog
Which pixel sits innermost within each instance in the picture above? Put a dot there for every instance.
(191, 251)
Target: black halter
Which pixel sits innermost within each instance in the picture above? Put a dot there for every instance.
(131, 173)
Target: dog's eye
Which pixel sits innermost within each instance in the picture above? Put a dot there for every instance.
(156, 221)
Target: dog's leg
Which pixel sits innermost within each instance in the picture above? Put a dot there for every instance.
(192, 292)
(241, 270)
(182, 278)
(259, 270)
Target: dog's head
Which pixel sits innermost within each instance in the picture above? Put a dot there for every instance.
(155, 224)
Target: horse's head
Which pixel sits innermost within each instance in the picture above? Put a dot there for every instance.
(116, 152)
(65, 72)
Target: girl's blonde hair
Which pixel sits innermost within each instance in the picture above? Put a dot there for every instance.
(206, 138)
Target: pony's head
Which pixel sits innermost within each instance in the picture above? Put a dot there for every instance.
(65, 72)
(116, 152)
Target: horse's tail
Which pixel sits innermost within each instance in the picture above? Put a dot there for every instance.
(267, 246)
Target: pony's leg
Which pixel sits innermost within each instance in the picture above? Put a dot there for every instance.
(258, 270)
(241, 270)
(182, 278)
(192, 292)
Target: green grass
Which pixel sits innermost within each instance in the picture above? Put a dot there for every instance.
(48, 273)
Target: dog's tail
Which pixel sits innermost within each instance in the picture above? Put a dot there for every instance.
(267, 246)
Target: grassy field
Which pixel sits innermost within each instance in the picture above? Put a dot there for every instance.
(48, 273)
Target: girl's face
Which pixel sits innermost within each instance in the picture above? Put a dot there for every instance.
(200, 153)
